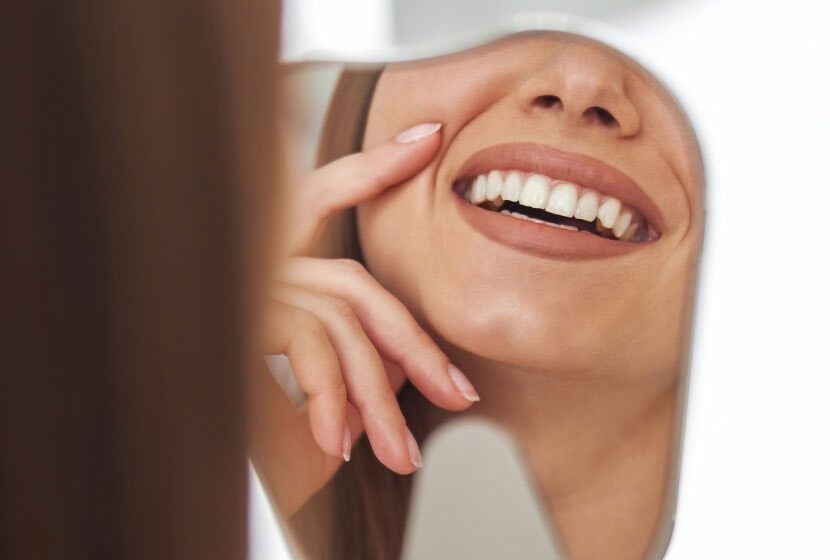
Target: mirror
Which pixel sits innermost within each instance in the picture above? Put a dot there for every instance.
(548, 247)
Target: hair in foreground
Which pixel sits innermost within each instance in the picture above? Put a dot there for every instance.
(139, 151)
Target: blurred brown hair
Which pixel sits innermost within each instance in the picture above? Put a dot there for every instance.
(138, 151)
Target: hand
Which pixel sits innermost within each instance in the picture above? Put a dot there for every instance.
(351, 343)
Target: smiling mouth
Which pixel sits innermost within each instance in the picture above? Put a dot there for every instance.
(549, 203)
(557, 203)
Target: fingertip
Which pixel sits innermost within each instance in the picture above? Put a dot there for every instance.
(347, 443)
(410, 150)
(413, 460)
(413, 449)
(403, 469)
(358, 177)
(443, 384)
(325, 426)
(464, 386)
(418, 132)
(327, 446)
(394, 448)
(459, 394)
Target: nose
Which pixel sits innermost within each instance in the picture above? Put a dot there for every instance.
(585, 87)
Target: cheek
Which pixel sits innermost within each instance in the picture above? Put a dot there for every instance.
(394, 237)
(579, 326)
(452, 93)
(508, 307)
(496, 303)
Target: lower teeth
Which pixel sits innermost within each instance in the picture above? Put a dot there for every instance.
(528, 218)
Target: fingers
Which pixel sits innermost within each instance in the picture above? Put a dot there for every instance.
(287, 458)
(389, 326)
(365, 378)
(355, 178)
(301, 336)
(289, 461)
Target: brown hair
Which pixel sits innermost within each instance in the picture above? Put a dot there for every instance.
(139, 149)
(361, 513)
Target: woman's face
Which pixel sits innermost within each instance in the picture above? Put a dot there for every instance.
(565, 116)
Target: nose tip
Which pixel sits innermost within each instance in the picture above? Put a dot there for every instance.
(585, 87)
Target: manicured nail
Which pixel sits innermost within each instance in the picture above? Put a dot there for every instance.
(414, 452)
(347, 443)
(463, 384)
(417, 132)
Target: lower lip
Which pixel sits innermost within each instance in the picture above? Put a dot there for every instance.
(540, 239)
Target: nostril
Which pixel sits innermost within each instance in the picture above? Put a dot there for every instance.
(546, 101)
(602, 116)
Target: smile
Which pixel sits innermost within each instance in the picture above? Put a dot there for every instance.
(545, 201)
(562, 204)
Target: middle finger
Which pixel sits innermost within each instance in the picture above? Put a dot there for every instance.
(365, 378)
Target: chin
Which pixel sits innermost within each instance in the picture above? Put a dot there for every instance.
(497, 325)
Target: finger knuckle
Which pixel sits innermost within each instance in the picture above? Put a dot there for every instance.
(308, 324)
(342, 311)
(377, 399)
(422, 339)
(351, 267)
(330, 387)
(274, 312)
(338, 389)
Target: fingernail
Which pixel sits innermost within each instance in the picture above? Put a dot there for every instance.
(463, 384)
(347, 444)
(414, 452)
(417, 132)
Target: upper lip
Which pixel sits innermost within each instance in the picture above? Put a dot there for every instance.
(584, 170)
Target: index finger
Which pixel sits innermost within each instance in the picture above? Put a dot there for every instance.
(352, 179)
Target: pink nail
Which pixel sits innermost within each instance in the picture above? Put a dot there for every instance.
(417, 132)
(414, 452)
(347, 444)
(463, 384)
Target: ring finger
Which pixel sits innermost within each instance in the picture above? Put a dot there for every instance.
(365, 377)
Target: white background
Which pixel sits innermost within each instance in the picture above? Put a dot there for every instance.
(754, 77)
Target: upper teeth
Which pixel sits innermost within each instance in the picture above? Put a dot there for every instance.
(563, 199)
(557, 197)
(586, 208)
(535, 192)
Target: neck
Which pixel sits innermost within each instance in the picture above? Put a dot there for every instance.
(600, 448)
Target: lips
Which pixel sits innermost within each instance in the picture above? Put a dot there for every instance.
(541, 200)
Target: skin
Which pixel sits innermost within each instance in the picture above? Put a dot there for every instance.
(579, 359)
(496, 302)
(350, 342)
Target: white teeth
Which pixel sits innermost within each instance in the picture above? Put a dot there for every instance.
(562, 200)
(479, 193)
(629, 232)
(512, 188)
(608, 212)
(556, 197)
(621, 224)
(543, 222)
(586, 209)
(494, 184)
(535, 192)
(515, 214)
(565, 226)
